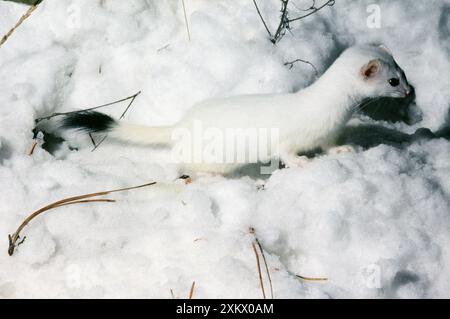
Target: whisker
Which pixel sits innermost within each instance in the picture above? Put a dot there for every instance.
(377, 109)
(365, 104)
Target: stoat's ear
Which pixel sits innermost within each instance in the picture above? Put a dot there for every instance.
(371, 69)
(385, 49)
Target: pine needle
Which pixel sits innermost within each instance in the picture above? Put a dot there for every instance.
(265, 265)
(311, 278)
(191, 292)
(186, 21)
(258, 264)
(19, 22)
(32, 148)
(14, 238)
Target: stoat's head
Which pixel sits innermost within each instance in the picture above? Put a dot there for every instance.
(378, 75)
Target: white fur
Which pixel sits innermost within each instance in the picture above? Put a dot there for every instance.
(313, 117)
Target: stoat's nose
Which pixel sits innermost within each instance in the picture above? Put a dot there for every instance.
(408, 89)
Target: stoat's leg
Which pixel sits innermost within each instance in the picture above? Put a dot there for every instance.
(293, 160)
(340, 149)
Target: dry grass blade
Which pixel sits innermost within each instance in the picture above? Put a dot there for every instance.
(311, 278)
(13, 239)
(32, 148)
(191, 291)
(258, 264)
(19, 22)
(253, 232)
(266, 266)
(100, 200)
(186, 21)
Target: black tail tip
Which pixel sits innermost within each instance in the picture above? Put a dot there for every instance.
(88, 121)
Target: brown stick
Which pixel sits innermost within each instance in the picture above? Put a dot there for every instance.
(67, 201)
(32, 148)
(19, 22)
(311, 278)
(191, 292)
(266, 266)
(104, 200)
(253, 232)
(258, 264)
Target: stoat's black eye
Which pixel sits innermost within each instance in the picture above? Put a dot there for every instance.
(394, 82)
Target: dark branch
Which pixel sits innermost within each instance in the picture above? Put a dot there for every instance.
(291, 64)
(284, 22)
(262, 19)
(314, 10)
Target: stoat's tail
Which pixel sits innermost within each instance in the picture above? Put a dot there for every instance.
(96, 122)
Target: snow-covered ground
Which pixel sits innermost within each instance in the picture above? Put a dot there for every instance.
(376, 223)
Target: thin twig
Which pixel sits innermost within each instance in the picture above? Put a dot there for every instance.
(266, 266)
(19, 22)
(121, 117)
(11, 238)
(291, 65)
(314, 10)
(132, 97)
(262, 19)
(163, 48)
(311, 7)
(258, 264)
(191, 291)
(186, 21)
(96, 145)
(284, 22)
(92, 140)
(253, 232)
(100, 200)
(32, 148)
(311, 278)
(67, 201)
(99, 143)
(129, 105)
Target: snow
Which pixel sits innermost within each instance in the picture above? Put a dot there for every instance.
(375, 223)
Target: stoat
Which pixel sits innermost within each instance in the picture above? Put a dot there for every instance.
(308, 119)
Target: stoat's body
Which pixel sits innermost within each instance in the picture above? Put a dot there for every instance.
(308, 119)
